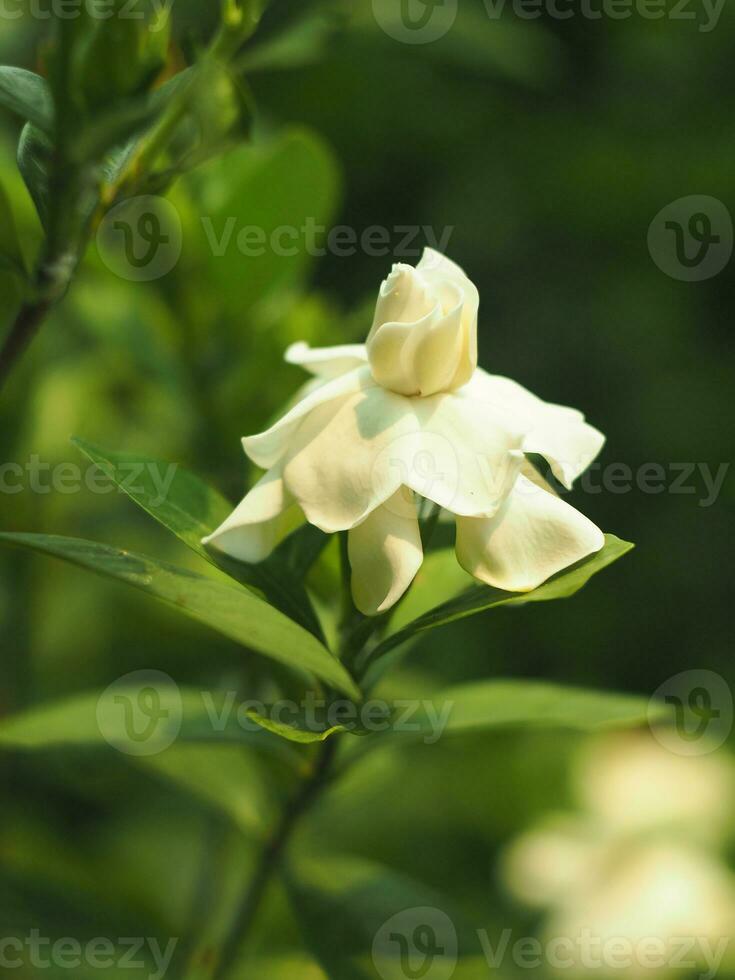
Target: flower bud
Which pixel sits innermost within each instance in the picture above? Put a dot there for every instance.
(424, 334)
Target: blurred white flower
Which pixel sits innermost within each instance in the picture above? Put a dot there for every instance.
(632, 783)
(639, 872)
(410, 415)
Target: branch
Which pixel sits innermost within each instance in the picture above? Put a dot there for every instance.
(272, 854)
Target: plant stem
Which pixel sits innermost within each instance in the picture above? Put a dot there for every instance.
(51, 283)
(64, 237)
(270, 858)
(30, 317)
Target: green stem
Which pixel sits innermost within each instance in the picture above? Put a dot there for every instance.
(26, 325)
(68, 235)
(272, 854)
(223, 48)
(51, 283)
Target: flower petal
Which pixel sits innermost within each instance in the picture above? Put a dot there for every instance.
(402, 298)
(568, 446)
(327, 362)
(558, 433)
(533, 536)
(435, 267)
(438, 349)
(267, 448)
(350, 456)
(392, 352)
(385, 553)
(258, 523)
(468, 456)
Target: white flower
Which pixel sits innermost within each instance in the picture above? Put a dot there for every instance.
(639, 869)
(409, 414)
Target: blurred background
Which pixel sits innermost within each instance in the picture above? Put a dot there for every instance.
(536, 153)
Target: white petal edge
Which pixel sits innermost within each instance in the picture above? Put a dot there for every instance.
(568, 446)
(532, 537)
(256, 525)
(557, 432)
(348, 458)
(468, 456)
(385, 554)
(268, 448)
(437, 267)
(327, 362)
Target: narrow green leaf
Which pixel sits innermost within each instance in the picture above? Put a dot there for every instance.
(482, 597)
(315, 724)
(28, 96)
(187, 506)
(483, 705)
(490, 705)
(126, 718)
(188, 737)
(34, 162)
(295, 731)
(176, 498)
(229, 609)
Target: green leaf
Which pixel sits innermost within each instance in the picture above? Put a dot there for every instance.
(351, 912)
(28, 96)
(120, 131)
(229, 609)
(188, 507)
(193, 742)
(481, 706)
(439, 579)
(301, 549)
(491, 705)
(316, 724)
(34, 162)
(124, 717)
(482, 597)
(223, 776)
(221, 109)
(176, 498)
(290, 183)
(212, 112)
(296, 730)
(484, 705)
